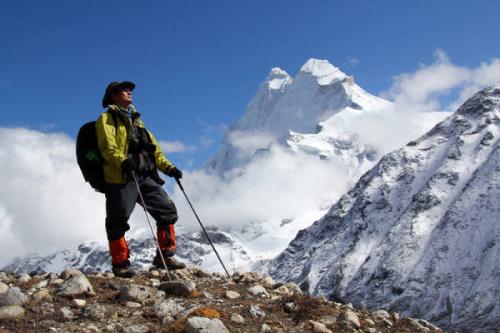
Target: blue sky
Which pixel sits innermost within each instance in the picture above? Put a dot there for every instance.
(198, 63)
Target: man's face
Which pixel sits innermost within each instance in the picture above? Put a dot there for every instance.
(123, 97)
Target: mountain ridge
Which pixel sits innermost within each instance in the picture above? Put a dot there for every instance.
(390, 239)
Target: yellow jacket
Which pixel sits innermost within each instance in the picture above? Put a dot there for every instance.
(113, 143)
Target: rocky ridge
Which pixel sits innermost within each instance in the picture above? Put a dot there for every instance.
(209, 302)
(419, 232)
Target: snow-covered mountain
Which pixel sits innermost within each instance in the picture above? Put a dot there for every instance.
(287, 119)
(94, 256)
(419, 233)
(284, 107)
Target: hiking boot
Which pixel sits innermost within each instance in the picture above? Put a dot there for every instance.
(123, 270)
(172, 264)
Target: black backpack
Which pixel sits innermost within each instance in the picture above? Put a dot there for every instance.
(88, 156)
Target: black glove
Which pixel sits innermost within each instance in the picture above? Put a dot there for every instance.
(128, 166)
(175, 173)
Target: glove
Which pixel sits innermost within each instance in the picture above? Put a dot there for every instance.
(128, 166)
(175, 173)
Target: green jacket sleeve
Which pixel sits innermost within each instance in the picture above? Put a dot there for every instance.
(162, 163)
(106, 140)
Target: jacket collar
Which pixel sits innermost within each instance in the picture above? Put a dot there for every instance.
(118, 110)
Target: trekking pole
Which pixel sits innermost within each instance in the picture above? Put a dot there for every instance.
(202, 227)
(150, 227)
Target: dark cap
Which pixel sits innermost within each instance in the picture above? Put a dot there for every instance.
(113, 88)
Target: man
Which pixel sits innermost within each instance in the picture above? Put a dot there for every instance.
(129, 150)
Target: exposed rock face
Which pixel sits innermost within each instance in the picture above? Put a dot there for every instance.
(419, 233)
(125, 305)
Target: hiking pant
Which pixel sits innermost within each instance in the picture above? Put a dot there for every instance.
(120, 203)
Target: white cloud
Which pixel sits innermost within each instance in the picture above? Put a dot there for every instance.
(175, 147)
(441, 86)
(45, 204)
(274, 185)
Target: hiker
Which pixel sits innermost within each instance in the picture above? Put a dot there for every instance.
(129, 150)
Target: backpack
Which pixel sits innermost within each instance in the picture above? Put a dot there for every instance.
(88, 156)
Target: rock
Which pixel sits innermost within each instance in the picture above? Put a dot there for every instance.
(13, 296)
(56, 282)
(11, 312)
(155, 283)
(136, 329)
(425, 323)
(237, 318)
(258, 290)
(387, 322)
(291, 307)
(328, 320)
(207, 294)
(66, 313)
(3, 287)
(248, 277)
(381, 314)
(139, 293)
(133, 305)
(350, 317)
(95, 312)
(72, 272)
(414, 324)
(256, 311)
(371, 330)
(293, 287)
(92, 329)
(230, 294)
(369, 322)
(154, 273)
(41, 284)
(76, 286)
(4, 277)
(282, 290)
(319, 327)
(42, 295)
(178, 288)
(205, 325)
(265, 328)
(199, 272)
(267, 282)
(24, 278)
(78, 303)
(168, 309)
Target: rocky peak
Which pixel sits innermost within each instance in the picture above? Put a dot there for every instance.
(278, 79)
(207, 302)
(324, 72)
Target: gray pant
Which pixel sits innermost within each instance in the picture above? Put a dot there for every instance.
(121, 200)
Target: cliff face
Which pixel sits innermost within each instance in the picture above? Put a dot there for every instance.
(209, 303)
(419, 232)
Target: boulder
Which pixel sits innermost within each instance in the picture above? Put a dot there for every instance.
(230, 294)
(12, 312)
(258, 290)
(76, 286)
(168, 309)
(178, 288)
(13, 296)
(71, 272)
(351, 317)
(139, 293)
(205, 325)
(237, 318)
(3, 287)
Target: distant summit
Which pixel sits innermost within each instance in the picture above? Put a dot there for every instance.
(283, 104)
